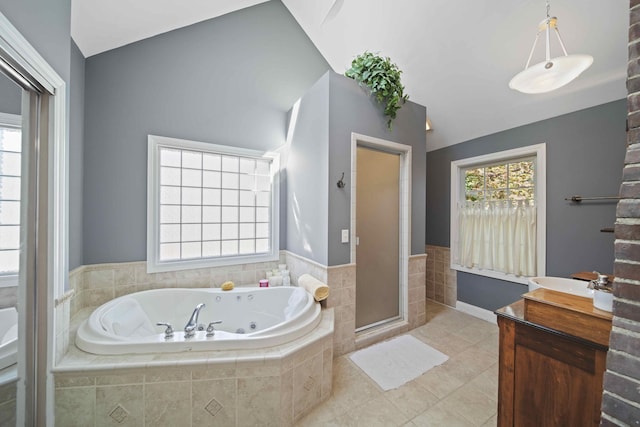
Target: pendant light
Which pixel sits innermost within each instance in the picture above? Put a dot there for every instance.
(552, 73)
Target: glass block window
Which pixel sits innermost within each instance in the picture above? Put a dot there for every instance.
(212, 205)
(10, 163)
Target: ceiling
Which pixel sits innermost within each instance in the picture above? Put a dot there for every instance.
(457, 57)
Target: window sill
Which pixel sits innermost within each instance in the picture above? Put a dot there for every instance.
(492, 274)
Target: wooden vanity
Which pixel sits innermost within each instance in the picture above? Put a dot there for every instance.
(553, 349)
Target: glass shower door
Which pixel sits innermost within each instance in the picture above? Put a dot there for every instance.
(378, 237)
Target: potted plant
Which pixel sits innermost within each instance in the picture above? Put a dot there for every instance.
(382, 77)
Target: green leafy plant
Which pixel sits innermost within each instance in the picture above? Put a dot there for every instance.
(382, 77)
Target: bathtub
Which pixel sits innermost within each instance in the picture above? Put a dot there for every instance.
(251, 318)
(8, 337)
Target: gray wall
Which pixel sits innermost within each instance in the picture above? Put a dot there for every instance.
(230, 80)
(321, 151)
(585, 155)
(10, 96)
(76, 151)
(307, 170)
(353, 110)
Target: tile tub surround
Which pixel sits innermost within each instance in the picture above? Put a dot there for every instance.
(275, 386)
(441, 280)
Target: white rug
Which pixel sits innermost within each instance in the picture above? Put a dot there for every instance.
(397, 361)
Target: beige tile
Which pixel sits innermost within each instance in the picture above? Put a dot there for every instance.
(438, 416)
(492, 422)
(324, 414)
(99, 279)
(119, 402)
(286, 398)
(487, 382)
(469, 402)
(411, 399)
(75, 406)
(214, 371)
(120, 378)
(125, 275)
(62, 381)
(307, 385)
(351, 387)
(213, 403)
(262, 396)
(439, 381)
(166, 374)
(167, 404)
(477, 330)
(378, 412)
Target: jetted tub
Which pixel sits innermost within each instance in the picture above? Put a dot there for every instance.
(8, 337)
(251, 318)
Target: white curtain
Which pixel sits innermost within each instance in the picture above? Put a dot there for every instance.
(499, 236)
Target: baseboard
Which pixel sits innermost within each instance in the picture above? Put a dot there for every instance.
(480, 313)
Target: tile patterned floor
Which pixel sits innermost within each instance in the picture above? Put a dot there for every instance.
(460, 392)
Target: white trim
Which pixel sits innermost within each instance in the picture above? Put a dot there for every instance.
(405, 206)
(154, 265)
(479, 312)
(537, 150)
(23, 53)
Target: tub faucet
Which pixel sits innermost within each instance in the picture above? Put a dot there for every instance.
(192, 324)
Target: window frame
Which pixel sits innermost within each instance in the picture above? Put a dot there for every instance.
(13, 121)
(154, 265)
(537, 151)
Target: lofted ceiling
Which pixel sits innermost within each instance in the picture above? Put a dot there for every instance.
(457, 57)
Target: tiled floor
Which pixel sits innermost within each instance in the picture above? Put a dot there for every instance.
(460, 392)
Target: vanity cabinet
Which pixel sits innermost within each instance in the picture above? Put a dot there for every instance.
(549, 374)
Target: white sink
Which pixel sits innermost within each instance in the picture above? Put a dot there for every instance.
(560, 284)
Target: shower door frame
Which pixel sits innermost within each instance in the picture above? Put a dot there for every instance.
(49, 257)
(404, 226)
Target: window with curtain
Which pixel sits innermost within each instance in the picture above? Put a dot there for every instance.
(210, 205)
(496, 214)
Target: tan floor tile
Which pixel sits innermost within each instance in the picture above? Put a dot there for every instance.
(439, 381)
(469, 402)
(461, 392)
(411, 399)
(487, 382)
(439, 416)
(493, 422)
(477, 331)
(373, 413)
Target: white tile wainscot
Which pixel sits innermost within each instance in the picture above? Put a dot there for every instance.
(275, 386)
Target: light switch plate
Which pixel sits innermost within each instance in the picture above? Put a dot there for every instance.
(345, 236)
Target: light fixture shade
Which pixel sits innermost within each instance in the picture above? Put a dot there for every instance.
(542, 77)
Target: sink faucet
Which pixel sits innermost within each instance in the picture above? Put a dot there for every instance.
(601, 281)
(192, 324)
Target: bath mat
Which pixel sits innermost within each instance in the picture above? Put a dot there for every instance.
(397, 361)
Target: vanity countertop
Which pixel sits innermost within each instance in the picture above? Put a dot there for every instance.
(564, 313)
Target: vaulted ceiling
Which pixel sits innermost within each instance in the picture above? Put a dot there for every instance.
(457, 57)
